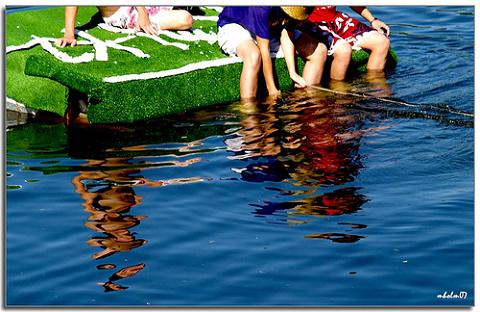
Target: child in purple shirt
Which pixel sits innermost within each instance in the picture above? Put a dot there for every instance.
(247, 32)
(244, 32)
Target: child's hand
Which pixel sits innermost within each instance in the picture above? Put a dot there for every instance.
(144, 24)
(66, 40)
(381, 27)
(274, 92)
(298, 80)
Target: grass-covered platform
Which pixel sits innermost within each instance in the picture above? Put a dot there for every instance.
(105, 67)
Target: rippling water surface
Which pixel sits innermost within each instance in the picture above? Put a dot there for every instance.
(314, 199)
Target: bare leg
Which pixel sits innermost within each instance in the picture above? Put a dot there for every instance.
(378, 84)
(252, 61)
(378, 44)
(341, 60)
(315, 54)
(175, 20)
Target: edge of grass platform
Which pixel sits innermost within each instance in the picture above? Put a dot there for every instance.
(150, 99)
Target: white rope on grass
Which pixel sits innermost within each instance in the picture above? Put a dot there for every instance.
(45, 43)
(194, 35)
(174, 72)
(212, 18)
(216, 8)
(128, 31)
(27, 45)
(183, 35)
(133, 33)
(134, 51)
(211, 37)
(62, 56)
(179, 45)
(101, 47)
(101, 53)
(123, 39)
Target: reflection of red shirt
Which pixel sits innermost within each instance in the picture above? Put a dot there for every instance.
(328, 13)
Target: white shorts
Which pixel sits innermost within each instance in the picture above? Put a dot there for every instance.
(230, 36)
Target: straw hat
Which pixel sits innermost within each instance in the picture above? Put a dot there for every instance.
(299, 13)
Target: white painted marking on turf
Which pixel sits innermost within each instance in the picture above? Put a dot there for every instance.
(206, 18)
(219, 9)
(174, 72)
(45, 43)
(24, 46)
(163, 42)
(134, 51)
(62, 56)
(182, 35)
(101, 47)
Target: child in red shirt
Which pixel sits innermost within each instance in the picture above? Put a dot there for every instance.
(349, 33)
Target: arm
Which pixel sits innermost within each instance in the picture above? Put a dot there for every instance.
(289, 53)
(264, 46)
(69, 34)
(376, 23)
(143, 22)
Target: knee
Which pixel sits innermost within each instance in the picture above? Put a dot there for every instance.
(343, 53)
(385, 43)
(186, 20)
(253, 59)
(319, 54)
(381, 44)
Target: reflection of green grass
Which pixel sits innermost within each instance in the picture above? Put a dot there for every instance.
(35, 140)
(120, 102)
(14, 187)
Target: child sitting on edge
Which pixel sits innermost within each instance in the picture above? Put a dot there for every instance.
(349, 33)
(147, 19)
(244, 32)
(313, 49)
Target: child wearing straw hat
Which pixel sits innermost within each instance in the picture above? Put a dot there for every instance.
(313, 49)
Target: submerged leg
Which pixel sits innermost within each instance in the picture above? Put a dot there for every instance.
(252, 61)
(341, 60)
(379, 45)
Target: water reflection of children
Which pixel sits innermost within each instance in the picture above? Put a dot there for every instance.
(147, 19)
(107, 188)
(311, 143)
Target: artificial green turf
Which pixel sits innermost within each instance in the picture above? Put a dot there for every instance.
(35, 92)
(126, 101)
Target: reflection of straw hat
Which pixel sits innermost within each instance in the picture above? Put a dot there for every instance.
(296, 12)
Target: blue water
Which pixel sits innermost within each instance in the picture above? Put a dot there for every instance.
(315, 200)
